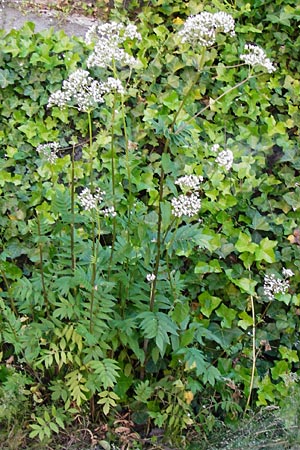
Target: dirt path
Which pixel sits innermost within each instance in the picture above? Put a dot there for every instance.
(14, 16)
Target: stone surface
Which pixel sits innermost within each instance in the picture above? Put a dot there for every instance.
(14, 16)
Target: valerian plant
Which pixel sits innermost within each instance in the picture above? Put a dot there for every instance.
(144, 277)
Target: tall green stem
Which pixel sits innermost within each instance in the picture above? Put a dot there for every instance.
(253, 354)
(41, 261)
(91, 173)
(113, 182)
(72, 225)
(162, 178)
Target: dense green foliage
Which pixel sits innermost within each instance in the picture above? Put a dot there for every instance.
(82, 330)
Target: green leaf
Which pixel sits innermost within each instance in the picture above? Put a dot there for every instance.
(107, 371)
(290, 355)
(259, 222)
(194, 360)
(293, 198)
(158, 325)
(281, 369)
(6, 78)
(227, 315)
(212, 266)
(180, 312)
(208, 303)
(211, 375)
(245, 244)
(171, 100)
(246, 321)
(265, 251)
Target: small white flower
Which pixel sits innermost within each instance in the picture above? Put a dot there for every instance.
(150, 277)
(256, 56)
(273, 285)
(90, 201)
(215, 148)
(186, 205)
(189, 182)
(203, 28)
(287, 273)
(109, 212)
(225, 159)
(49, 151)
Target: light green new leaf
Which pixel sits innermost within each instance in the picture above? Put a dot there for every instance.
(246, 320)
(245, 244)
(265, 251)
(208, 303)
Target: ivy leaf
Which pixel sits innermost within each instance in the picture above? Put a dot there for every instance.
(212, 266)
(265, 251)
(293, 199)
(245, 244)
(208, 303)
(246, 321)
(259, 222)
(6, 78)
(245, 284)
(227, 315)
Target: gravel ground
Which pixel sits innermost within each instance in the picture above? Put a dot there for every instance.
(14, 16)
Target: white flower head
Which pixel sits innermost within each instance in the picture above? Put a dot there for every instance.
(113, 84)
(80, 90)
(108, 38)
(90, 201)
(186, 205)
(256, 56)
(189, 182)
(203, 28)
(83, 92)
(273, 285)
(49, 151)
(225, 159)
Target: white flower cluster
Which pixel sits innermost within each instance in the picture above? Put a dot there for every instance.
(113, 84)
(189, 203)
(273, 285)
(186, 205)
(90, 201)
(203, 28)
(81, 91)
(256, 56)
(189, 182)
(225, 159)
(49, 151)
(109, 37)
